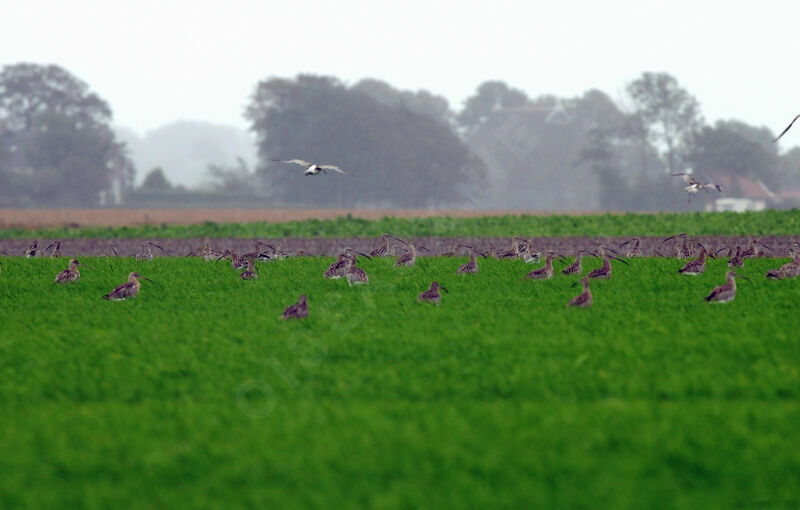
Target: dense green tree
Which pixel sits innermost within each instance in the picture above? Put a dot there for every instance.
(156, 180)
(422, 101)
(490, 97)
(396, 156)
(670, 115)
(55, 140)
(233, 179)
(728, 148)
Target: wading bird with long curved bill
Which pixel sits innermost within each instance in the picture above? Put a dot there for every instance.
(313, 168)
(56, 245)
(409, 258)
(432, 295)
(604, 271)
(470, 267)
(726, 292)
(128, 289)
(146, 251)
(584, 299)
(71, 274)
(633, 250)
(697, 266)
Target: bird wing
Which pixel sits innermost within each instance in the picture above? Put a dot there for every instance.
(686, 177)
(121, 291)
(295, 161)
(334, 168)
(787, 129)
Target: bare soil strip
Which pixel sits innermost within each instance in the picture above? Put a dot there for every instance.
(41, 218)
(566, 246)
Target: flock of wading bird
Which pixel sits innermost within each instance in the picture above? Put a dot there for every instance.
(345, 265)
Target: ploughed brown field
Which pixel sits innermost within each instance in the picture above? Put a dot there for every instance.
(566, 246)
(36, 218)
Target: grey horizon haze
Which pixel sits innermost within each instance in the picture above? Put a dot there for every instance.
(158, 62)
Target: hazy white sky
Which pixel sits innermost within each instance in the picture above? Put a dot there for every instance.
(159, 61)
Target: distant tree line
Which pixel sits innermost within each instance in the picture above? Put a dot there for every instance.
(501, 149)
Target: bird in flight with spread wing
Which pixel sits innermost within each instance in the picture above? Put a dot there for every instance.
(694, 185)
(313, 168)
(787, 129)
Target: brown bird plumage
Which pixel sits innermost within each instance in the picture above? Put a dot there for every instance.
(577, 266)
(545, 272)
(32, 249)
(584, 299)
(432, 295)
(470, 267)
(56, 245)
(297, 310)
(697, 266)
(71, 274)
(633, 249)
(726, 292)
(146, 252)
(128, 289)
(249, 273)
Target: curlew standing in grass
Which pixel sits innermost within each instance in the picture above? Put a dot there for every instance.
(383, 249)
(32, 249)
(339, 267)
(735, 260)
(787, 129)
(71, 274)
(432, 295)
(470, 267)
(514, 252)
(604, 271)
(789, 270)
(356, 275)
(249, 273)
(409, 258)
(577, 266)
(753, 249)
(206, 253)
(237, 262)
(683, 247)
(726, 292)
(312, 168)
(297, 310)
(128, 289)
(343, 263)
(584, 299)
(56, 253)
(528, 253)
(146, 251)
(633, 250)
(258, 252)
(697, 266)
(546, 271)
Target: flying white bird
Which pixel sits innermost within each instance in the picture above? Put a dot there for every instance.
(312, 168)
(787, 129)
(694, 185)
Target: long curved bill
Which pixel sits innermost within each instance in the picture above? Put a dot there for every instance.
(615, 258)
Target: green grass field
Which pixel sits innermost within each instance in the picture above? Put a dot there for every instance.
(195, 395)
(769, 222)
